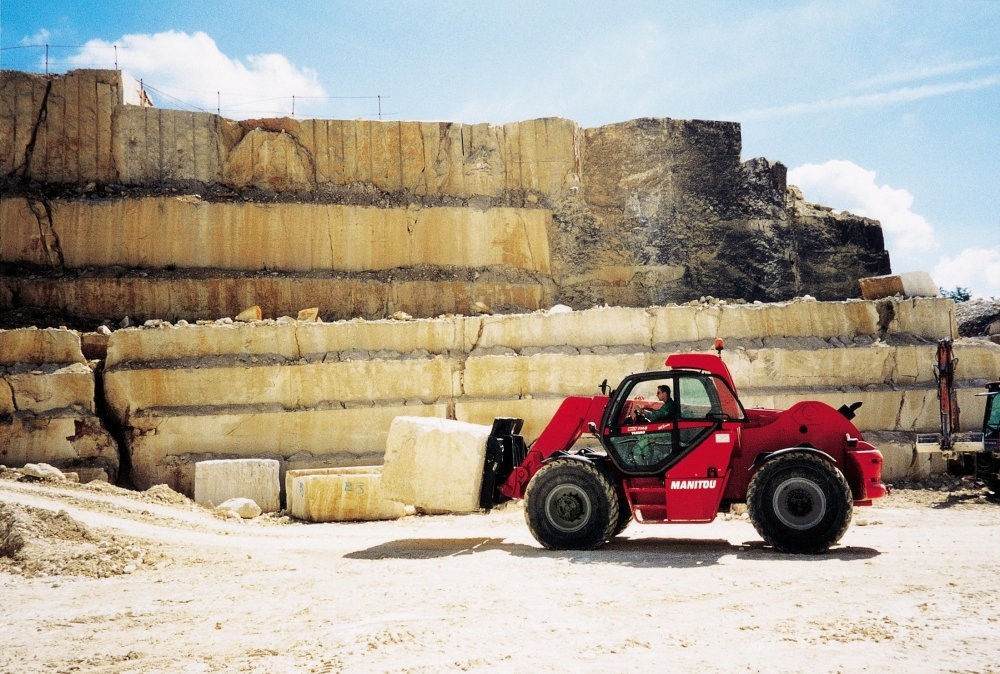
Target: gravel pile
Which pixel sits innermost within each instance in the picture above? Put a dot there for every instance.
(37, 542)
(975, 316)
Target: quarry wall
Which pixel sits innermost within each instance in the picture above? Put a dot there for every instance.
(107, 204)
(324, 395)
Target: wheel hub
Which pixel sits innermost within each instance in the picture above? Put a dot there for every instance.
(567, 508)
(799, 503)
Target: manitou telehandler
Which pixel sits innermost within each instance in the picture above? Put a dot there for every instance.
(800, 471)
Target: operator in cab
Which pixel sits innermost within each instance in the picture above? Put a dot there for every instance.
(664, 413)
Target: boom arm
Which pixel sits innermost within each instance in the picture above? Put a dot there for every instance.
(569, 423)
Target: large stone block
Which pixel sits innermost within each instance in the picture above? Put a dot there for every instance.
(435, 465)
(332, 496)
(928, 318)
(54, 387)
(606, 326)
(908, 284)
(550, 373)
(40, 346)
(292, 473)
(289, 341)
(255, 479)
(291, 385)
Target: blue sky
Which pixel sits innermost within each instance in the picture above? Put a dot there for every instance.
(888, 109)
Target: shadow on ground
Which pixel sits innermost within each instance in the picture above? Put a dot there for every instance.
(639, 553)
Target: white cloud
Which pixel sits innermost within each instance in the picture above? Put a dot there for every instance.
(902, 95)
(191, 69)
(925, 72)
(847, 186)
(41, 37)
(977, 269)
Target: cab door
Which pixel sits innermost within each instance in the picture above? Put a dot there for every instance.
(707, 432)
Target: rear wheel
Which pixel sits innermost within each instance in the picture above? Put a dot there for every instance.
(799, 503)
(569, 505)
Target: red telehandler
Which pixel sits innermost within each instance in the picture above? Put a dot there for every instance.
(800, 471)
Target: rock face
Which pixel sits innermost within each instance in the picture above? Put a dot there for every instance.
(48, 407)
(420, 217)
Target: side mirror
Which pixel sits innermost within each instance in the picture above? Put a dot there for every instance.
(592, 427)
(717, 416)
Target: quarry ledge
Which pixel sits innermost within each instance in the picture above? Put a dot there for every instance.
(353, 194)
(254, 359)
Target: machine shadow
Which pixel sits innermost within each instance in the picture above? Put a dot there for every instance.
(637, 553)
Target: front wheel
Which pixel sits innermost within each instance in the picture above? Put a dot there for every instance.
(799, 503)
(570, 505)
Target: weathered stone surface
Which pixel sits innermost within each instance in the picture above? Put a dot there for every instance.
(55, 387)
(69, 441)
(269, 160)
(255, 479)
(40, 346)
(290, 385)
(434, 464)
(370, 296)
(187, 232)
(637, 213)
(340, 496)
(47, 404)
(59, 129)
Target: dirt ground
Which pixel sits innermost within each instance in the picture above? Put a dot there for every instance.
(126, 582)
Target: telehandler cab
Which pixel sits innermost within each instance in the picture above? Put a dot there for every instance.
(800, 471)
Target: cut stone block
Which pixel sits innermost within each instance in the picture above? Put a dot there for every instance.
(435, 465)
(293, 473)
(341, 495)
(908, 284)
(40, 346)
(256, 479)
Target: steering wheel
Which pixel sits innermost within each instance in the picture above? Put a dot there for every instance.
(639, 417)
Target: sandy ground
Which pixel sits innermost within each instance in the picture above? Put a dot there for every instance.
(913, 586)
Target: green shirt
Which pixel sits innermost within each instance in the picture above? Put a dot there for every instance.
(663, 414)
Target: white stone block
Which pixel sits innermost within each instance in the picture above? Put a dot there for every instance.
(433, 464)
(256, 479)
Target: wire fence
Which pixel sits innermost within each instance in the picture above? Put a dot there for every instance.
(42, 58)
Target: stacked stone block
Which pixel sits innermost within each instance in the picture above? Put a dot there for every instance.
(47, 405)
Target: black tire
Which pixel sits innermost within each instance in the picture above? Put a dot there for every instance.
(799, 503)
(570, 505)
(624, 512)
